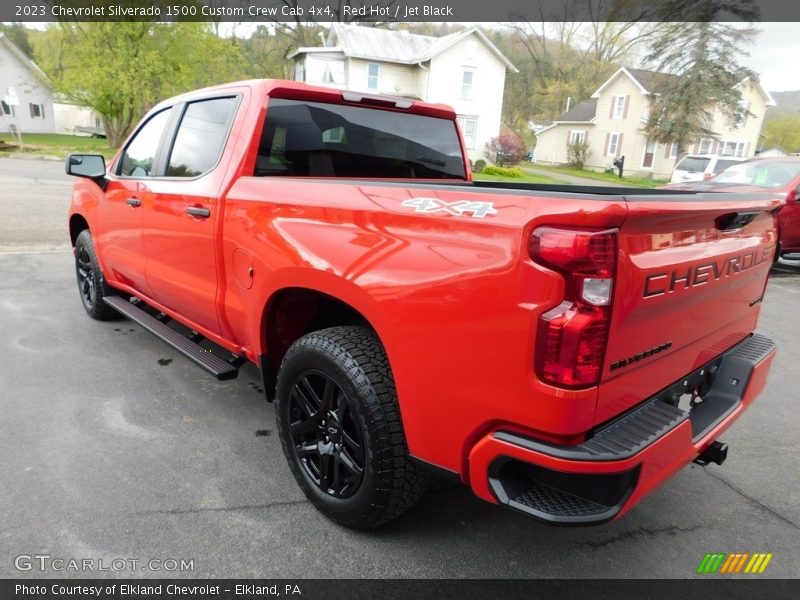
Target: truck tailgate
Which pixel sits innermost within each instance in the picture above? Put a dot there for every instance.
(690, 277)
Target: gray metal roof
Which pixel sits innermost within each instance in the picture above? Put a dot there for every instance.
(582, 112)
(380, 44)
(652, 80)
(373, 43)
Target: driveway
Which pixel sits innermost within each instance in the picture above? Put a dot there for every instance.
(114, 445)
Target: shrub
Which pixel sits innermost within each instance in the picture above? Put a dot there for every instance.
(506, 149)
(480, 165)
(503, 171)
(577, 154)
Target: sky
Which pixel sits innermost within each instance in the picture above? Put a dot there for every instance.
(774, 56)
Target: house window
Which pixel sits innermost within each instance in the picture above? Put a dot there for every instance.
(649, 154)
(673, 150)
(323, 70)
(613, 144)
(704, 147)
(619, 107)
(7, 109)
(37, 110)
(740, 118)
(467, 76)
(469, 130)
(577, 136)
(335, 135)
(373, 72)
(327, 76)
(732, 148)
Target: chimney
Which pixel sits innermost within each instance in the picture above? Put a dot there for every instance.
(569, 101)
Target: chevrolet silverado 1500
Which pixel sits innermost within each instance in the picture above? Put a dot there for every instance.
(561, 350)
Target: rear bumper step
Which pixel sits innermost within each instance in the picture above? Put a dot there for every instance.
(220, 368)
(725, 379)
(624, 460)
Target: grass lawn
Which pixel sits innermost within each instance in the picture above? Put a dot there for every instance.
(56, 144)
(527, 178)
(632, 181)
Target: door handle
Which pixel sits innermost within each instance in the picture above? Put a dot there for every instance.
(198, 211)
(134, 202)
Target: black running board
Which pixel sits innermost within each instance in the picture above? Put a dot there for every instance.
(218, 367)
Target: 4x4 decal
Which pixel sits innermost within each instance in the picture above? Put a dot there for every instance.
(458, 208)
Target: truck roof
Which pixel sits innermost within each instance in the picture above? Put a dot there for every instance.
(283, 88)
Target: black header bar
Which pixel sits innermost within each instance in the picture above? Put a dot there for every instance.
(327, 11)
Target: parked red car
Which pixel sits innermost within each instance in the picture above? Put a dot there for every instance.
(758, 175)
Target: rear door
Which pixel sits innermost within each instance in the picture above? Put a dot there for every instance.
(182, 210)
(690, 277)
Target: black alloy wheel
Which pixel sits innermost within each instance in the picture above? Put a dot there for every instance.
(339, 423)
(326, 436)
(87, 285)
(91, 285)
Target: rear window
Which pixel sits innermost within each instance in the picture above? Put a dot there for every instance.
(330, 140)
(693, 164)
(724, 164)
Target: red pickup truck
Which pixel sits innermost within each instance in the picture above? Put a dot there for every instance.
(561, 350)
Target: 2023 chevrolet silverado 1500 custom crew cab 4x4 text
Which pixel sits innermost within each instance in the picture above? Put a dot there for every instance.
(561, 350)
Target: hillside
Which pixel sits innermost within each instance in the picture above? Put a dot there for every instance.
(788, 104)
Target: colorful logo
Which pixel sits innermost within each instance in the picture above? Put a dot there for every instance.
(737, 562)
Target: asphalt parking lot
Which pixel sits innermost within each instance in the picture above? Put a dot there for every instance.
(114, 445)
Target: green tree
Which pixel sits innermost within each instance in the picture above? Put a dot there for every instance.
(122, 69)
(783, 133)
(704, 54)
(18, 34)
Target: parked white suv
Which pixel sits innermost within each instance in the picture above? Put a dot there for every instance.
(698, 167)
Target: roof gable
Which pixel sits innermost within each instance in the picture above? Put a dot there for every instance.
(649, 81)
(23, 58)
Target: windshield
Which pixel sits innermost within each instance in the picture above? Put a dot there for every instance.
(333, 140)
(768, 174)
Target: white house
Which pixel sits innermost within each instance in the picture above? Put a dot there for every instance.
(463, 69)
(771, 152)
(611, 121)
(75, 119)
(26, 100)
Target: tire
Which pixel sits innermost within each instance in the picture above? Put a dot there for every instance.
(336, 398)
(91, 285)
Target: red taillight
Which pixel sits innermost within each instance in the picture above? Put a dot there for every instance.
(572, 337)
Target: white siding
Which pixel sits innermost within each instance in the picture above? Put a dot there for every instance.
(551, 144)
(70, 117)
(15, 74)
(393, 79)
(486, 98)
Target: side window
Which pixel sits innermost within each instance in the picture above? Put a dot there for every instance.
(138, 158)
(201, 137)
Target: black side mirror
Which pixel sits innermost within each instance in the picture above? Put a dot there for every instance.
(91, 166)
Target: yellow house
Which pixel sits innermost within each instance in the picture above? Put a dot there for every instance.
(611, 121)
